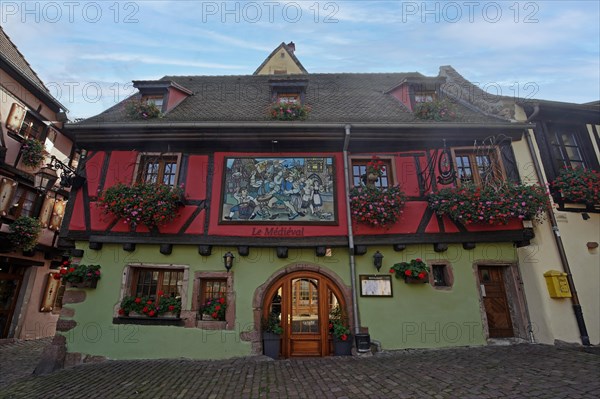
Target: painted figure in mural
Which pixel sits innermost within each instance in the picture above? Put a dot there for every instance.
(307, 192)
(282, 193)
(316, 199)
(245, 206)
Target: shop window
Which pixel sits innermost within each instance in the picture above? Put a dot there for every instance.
(441, 275)
(359, 173)
(158, 169)
(478, 167)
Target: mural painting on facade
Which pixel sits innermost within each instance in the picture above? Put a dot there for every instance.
(276, 190)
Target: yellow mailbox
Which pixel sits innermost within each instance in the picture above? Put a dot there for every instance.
(558, 285)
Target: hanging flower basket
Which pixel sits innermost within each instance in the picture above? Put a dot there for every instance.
(142, 203)
(471, 204)
(24, 233)
(32, 153)
(79, 276)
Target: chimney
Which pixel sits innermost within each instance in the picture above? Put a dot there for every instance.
(291, 46)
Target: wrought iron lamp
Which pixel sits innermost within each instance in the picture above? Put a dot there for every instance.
(44, 179)
(228, 260)
(377, 260)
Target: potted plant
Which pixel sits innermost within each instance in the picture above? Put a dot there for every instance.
(375, 169)
(578, 185)
(79, 276)
(32, 152)
(142, 203)
(288, 111)
(376, 207)
(214, 309)
(414, 271)
(272, 331)
(165, 306)
(338, 327)
(470, 204)
(24, 232)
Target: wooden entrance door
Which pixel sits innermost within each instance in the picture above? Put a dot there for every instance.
(11, 278)
(495, 302)
(303, 302)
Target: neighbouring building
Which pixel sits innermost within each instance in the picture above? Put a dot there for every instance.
(283, 184)
(565, 137)
(33, 149)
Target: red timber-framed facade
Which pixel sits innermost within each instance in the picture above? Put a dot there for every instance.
(264, 224)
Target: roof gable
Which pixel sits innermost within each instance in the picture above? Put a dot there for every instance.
(281, 61)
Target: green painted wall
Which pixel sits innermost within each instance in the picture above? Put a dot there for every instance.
(421, 316)
(417, 316)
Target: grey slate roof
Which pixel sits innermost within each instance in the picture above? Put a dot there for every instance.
(10, 53)
(335, 98)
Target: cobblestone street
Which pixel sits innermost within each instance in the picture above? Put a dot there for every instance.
(520, 371)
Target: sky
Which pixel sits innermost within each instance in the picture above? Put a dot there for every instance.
(88, 52)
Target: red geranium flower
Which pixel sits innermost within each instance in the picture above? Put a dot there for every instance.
(145, 310)
(344, 337)
(171, 308)
(215, 315)
(138, 300)
(407, 273)
(221, 300)
(160, 293)
(71, 269)
(149, 302)
(151, 313)
(422, 275)
(121, 312)
(63, 271)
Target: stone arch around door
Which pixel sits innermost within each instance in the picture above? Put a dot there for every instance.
(258, 300)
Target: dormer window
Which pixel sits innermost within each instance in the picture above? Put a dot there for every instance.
(156, 100)
(425, 96)
(289, 98)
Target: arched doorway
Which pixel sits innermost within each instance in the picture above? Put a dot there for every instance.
(303, 301)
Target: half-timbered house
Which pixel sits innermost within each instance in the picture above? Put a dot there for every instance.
(264, 168)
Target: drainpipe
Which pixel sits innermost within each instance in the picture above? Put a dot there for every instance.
(585, 339)
(356, 319)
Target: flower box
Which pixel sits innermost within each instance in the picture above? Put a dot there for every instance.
(83, 284)
(415, 280)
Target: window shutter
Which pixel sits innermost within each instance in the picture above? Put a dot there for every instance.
(7, 189)
(15, 118)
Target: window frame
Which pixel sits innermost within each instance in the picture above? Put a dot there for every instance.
(153, 97)
(448, 274)
(19, 196)
(198, 300)
(145, 157)
(497, 165)
(390, 171)
(128, 281)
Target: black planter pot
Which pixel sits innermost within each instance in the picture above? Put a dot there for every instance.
(415, 280)
(84, 284)
(271, 344)
(342, 348)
